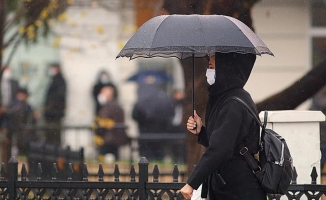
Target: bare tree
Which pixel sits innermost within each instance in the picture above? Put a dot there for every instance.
(26, 21)
(301, 90)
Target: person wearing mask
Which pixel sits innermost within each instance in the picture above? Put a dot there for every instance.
(9, 88)
(108, 138)
(55, 105)
(221, 169)
(103, 79)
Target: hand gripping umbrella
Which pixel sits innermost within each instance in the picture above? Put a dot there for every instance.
(183, 36)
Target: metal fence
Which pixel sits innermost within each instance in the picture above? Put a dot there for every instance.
(75, 132)
(138, 187)
(101, 189)
(42, 154)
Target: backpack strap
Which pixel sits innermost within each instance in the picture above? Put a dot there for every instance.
(244, 151)
(253, 114)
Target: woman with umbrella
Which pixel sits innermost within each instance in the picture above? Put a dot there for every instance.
(228, 123)
(234, 47)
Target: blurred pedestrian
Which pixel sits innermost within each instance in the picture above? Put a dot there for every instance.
(21, 122)
(175, 89)
(9, 87)
(103, 78)
(108, 138)
(153, 112)
(55, 105)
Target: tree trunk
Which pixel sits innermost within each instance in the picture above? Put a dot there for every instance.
(3, 4)
(194, 150)
(5, 143)
(298, 92)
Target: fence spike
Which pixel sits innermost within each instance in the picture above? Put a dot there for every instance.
(116, 173)
(54, 171)
(314, 175)
(132, 173)
(143, 161)
(23, 173)
(2, 172)
(100, 173)
(294, 177)
(156, 173)
(70, 172)
(39, 171)
(175, 173)
(85, 172)
(143, 178)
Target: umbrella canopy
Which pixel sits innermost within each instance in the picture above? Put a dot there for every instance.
(183, 36)
(150, 77)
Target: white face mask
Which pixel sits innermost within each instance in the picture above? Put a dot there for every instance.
(6, 74)
(52, 72)
(101, 99)
(104, 79)
(210, 74)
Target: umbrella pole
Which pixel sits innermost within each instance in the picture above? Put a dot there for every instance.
(193, 84)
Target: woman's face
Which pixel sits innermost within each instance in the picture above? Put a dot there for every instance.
(211, 62)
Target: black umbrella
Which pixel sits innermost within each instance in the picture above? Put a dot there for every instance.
(183, 36)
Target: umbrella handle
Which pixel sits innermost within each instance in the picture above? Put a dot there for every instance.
(193, 85)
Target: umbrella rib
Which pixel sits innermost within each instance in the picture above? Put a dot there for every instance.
(201, 29)
(246, 31)
(156, 33)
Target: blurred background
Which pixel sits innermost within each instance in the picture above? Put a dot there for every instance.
(84, 37)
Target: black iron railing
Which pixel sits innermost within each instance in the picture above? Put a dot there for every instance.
(137, 187)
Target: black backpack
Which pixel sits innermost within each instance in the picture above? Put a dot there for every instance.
(275, 168)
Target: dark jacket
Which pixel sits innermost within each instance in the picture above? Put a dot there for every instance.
(109, 115)
(96, 91)
(55, 102)
(228, 123)
(153, 110)
(21, 123)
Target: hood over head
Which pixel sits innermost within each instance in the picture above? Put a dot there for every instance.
(232, 71)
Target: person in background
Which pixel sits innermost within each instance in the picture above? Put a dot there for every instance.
(9, 88)
(21, 122)
(153, 112)
(108, 139)
(175, 88)
(103, 79)
(55, 104)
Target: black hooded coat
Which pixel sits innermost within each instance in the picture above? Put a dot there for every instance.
(227, 123)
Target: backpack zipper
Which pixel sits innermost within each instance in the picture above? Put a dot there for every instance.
(282, 155)
(281, 158)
